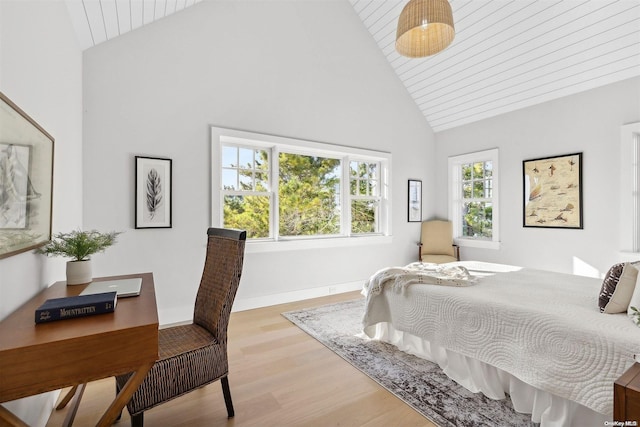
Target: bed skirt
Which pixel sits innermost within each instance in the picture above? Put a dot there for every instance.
(545, 408)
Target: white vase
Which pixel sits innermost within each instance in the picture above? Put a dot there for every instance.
(79, 272)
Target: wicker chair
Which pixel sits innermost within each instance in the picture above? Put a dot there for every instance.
(193, 355)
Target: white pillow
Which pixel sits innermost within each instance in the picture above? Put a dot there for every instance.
(635, 298)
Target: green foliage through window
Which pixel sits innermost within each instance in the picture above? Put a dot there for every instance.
(364, 185)
(477, 191)
(249, 213)
(309, 195)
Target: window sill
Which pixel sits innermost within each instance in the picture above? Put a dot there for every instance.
(472, 243)
(628, 256)
(302, 244)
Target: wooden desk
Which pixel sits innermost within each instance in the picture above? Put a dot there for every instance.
(626, 392)
(50, 356)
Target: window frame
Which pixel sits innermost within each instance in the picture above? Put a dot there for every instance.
(630, 188)
(376, 198)
(238, 192)
(456, 199)
(277, 144)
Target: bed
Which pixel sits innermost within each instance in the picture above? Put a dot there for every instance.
(536, 336)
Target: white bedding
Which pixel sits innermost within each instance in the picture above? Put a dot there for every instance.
(542, 328)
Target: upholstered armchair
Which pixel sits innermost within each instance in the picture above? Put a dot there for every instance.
(436, 242)
(195, 354)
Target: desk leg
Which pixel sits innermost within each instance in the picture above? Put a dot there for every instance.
(67, 398)
(78, 391)
(123, 397)
(8, 419)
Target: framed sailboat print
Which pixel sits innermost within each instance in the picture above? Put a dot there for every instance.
(552, 192)
(26, 181)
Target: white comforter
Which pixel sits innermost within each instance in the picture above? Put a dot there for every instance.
(542, 327)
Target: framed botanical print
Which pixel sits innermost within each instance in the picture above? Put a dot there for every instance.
(153, 192)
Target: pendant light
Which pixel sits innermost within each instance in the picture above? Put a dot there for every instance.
(425, 27)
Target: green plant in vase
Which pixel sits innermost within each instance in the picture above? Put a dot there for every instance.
(78, 246)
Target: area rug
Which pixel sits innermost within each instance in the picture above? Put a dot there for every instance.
(418, 382)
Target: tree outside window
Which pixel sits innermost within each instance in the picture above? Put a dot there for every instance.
(477, 185)
(364, 188)
(474, 199)
(308, 197)
(246, 189)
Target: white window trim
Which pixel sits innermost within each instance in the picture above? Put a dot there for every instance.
(630, 188)
(455, 198)
(348, 198)
(304, 147)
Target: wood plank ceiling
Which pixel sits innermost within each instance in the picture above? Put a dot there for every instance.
(506, 55)
(510, 54)
(96, 21)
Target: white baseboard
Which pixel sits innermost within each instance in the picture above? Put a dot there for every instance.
(179, 315)
(284, 297)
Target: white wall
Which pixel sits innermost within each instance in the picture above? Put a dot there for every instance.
(41, 71)
(305, 70)
(588, 122)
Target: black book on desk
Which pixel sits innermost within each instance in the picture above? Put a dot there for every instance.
(77, 306)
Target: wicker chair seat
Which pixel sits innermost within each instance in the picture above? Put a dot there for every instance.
(178, 339)
(190, 357)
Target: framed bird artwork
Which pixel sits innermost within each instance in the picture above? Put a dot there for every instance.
(552, 192)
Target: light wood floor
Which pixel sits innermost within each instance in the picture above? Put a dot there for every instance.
(279, 376)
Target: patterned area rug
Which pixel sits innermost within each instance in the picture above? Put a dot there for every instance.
(418, 382)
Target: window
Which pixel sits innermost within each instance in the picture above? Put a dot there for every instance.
(364, 185)
(473, 185)
(308, 195)
(629, 210)
(283, 190)
(245, 189)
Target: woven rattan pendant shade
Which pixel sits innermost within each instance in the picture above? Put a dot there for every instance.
(425, 27)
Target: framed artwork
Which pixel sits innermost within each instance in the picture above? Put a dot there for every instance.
(552, 192)
(415, 200)
(153, 192)
(26, 181)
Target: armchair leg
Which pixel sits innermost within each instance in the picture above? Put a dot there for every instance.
(224, 381)
(137, 420)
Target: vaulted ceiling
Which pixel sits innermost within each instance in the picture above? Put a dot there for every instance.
(506, 55)
(509, 54)
(96, 21)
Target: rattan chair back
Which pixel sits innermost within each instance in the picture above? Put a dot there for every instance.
(220, 280)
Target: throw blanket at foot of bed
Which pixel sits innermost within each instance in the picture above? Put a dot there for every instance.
(543, 328)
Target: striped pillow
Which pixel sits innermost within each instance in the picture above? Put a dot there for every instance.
(617, 288)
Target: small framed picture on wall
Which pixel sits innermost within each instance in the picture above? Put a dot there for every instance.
(153, 192)
(415, 200)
